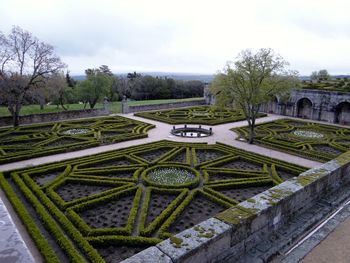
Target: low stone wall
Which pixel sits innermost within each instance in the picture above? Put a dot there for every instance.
(54, 116)
(163, 106)
(238, 229)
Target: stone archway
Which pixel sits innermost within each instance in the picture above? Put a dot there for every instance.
(342, 113)
(304, 108)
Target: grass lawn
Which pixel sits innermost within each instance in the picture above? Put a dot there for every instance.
(114, 107)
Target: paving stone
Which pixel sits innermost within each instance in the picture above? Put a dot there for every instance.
(192, 244)
(12, 246)
(149, 255)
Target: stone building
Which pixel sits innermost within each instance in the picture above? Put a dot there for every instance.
(328, 106)
(318, 105)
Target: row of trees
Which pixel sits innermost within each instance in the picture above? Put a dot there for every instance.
(138, 87)
(101, 82)
(320, 75)
(30, 72)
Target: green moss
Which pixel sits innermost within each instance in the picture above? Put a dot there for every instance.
(343, 159)
(251, 200)
(203, 232)
(304, 181)
(278, 193)
(236, 215)
(176, 241)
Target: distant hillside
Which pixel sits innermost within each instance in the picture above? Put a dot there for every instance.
(176, 76)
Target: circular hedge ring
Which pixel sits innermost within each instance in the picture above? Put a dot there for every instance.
(171, 176)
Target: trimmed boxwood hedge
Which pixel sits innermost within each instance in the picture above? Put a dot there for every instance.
(124, 171)
(29, 141)
(280, 135)
(207, 115)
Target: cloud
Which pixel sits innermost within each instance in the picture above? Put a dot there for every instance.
(185, 35)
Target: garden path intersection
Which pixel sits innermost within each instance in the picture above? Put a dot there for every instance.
(221, 133)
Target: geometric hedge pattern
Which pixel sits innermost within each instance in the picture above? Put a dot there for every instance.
(104, 208)
(29, 141)
(311, 140)
(195, 115)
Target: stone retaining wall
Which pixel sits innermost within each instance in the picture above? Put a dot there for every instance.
(54, 116)
(238, 229)
(163, 106)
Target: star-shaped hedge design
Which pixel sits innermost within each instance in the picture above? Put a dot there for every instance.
(109, 206)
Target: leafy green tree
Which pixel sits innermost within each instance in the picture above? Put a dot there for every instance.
(251, 80)
(60, 92)
(70, 81)
(314, 75)
(95, 87)
(323, 75)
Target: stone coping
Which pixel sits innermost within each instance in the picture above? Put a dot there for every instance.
(12, 246)
(238, 229)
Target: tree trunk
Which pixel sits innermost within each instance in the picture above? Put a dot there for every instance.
(62, 104)
(251, 134)
(251, 129)
(92, 103)
(15, 119)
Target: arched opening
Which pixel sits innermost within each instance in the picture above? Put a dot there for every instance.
(342, 113)
(304, 108)
(272, 106)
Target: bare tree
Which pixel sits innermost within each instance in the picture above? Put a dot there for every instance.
(26, 62)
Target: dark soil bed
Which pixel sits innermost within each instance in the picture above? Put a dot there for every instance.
(111, 215)
(112, 162)
(151, 156)
(241, 164)
(327, 149)
(208, 155)
(179, 157)
(70, 192)
(47, 177)
(157, 204)
(197, 211)
(115, 254)
(244, 194)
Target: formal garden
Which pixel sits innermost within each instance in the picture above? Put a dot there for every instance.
(107, 207)
(208, 115)
(29, 141)
(311, 140)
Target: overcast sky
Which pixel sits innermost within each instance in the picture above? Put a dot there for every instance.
(186, 36)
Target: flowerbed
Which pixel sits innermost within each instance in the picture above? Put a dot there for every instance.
(50, 138)
(195, 115)
(107, 207)
(311, 140)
